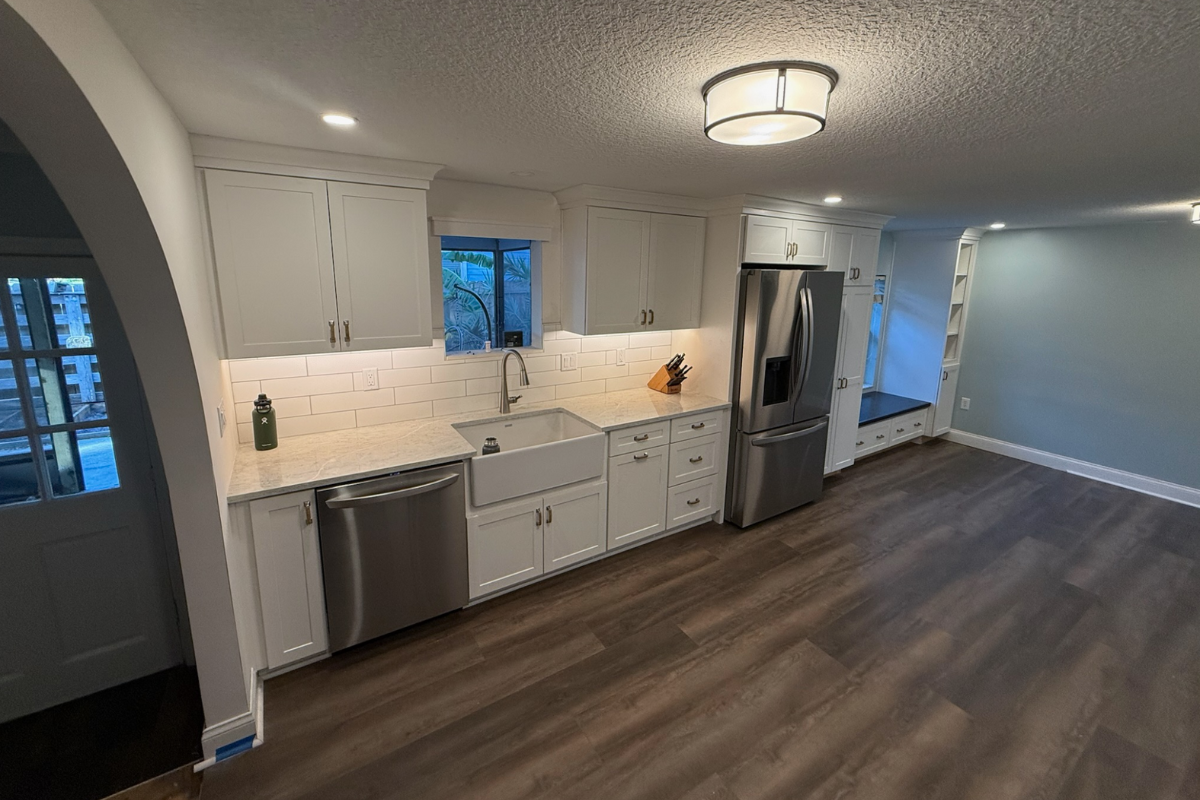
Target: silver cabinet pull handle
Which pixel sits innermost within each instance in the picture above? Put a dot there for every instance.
(881, 436)
(538, 524)
(916, 424)
(696, 459)
(643, 316)
(899, 430)
(693, 502)
(308, 512)
(549, 515)
(346, 328)
(641, 457)
(652, 316)
(858, 444)
(945, 375)
(332, 332)
(641, 438)
(697, 426)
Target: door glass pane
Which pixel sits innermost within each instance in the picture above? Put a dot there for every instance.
(3, 335)
(51, 312)
(80, 461)
(18, 474)
(11, 416)
(66, 389)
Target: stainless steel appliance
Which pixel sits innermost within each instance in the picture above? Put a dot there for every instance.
(393, 551)
(787, 335)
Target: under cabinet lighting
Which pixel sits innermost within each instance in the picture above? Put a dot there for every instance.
(767, 103)
(996, 226)
(339, 120)
(833, 198)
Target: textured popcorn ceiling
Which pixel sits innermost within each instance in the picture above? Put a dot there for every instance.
(1038, 112)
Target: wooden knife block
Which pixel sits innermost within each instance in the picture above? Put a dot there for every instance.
(658, 382)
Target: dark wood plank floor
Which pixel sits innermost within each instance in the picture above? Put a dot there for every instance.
(945, 624)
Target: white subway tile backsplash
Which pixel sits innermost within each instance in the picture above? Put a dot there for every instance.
(610, 371)
(593, 343)
(349, 401)
(257, 369)
(483, 385)
(412, 376)
(561, 346)
(592, 360)
(532, 394)
(643, 367)
(315, 384)
(420, 356)
(565, 390)
(461, 405)
(315, 423)
(549, 378)
(385, 414)
(284, 407)
(650, 339)
(628, 382)
(334, 363)
(462, 372)
(533, 364)
(432, 391)
(246, 391)
(638, 354)
(662, 352)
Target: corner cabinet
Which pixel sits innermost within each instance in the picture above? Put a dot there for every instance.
(311, 266)
(287, 556)
(629, 271)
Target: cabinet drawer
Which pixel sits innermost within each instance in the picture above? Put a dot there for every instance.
(693, 459)
(697, 425)
(871, 438)
(907, 426)
(690, 501)
(627, 440)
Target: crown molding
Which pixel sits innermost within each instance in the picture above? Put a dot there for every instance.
(631, 199)
(273, 159)
(490, 229)
(761, 205)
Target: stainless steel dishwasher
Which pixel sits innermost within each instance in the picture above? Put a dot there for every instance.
(393, 551)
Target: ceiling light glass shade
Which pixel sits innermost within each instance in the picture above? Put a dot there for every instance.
(768, 103)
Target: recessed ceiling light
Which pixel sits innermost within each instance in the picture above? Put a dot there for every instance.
(522, 173)
(339, 120)
(833, 198)
(767, 103)
(996, 226)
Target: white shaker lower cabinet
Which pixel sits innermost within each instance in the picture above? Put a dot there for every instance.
(637, 495)
(576, 525)
(943, 412)
(288, 557)
(505, 546)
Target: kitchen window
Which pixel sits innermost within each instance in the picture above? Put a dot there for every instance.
(874, 339)
(487, 293)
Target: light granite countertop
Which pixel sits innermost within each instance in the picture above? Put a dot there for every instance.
(320, 459)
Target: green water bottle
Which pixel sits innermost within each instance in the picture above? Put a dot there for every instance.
(264, 424)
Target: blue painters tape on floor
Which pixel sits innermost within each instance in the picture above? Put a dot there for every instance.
(233, 748)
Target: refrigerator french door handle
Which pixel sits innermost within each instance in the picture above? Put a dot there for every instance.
(808, 334)
(763, 441)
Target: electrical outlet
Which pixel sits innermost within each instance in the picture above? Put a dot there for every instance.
(371, 378)
(569, 361)
(221, 421)
(964, 403)
(620, 355)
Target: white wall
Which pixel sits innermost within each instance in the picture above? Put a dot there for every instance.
(122, 164)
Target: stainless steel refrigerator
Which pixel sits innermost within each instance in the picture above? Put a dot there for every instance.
(786, 350)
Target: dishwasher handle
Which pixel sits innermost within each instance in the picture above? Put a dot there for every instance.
(395, 494)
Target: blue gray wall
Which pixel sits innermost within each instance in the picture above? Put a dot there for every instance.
(1085, 342)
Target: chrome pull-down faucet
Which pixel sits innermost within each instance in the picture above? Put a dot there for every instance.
(506, 401)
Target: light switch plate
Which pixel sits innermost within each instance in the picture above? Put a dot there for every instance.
(569, 361)
(371, 378)
(964, 403)
(221, 421)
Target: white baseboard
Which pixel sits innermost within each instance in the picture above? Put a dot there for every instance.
(217, 737)
(1129, 480)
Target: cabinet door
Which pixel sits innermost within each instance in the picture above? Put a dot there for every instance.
(504, 546)
(618, 261)
(847, 392)
(274, 263)
(864, 258)
(381, 266)
(947, 395)
(287, 556)
(811, 243)
(676, 271)
(767, 241)
(637, 495)
(576, 525)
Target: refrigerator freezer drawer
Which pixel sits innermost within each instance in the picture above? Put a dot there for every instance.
(776, 471)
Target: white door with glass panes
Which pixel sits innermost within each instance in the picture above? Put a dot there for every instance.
(85, 594)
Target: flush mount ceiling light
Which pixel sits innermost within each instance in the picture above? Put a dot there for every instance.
(780, 101)
(1196, 213)
(996, 226)
(339, 120)
(833, 199)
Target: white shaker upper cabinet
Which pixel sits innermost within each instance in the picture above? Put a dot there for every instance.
(676, 267)
(774, 240)
(381, 266)
(855, 251)
(274, 263)
(618, 261)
